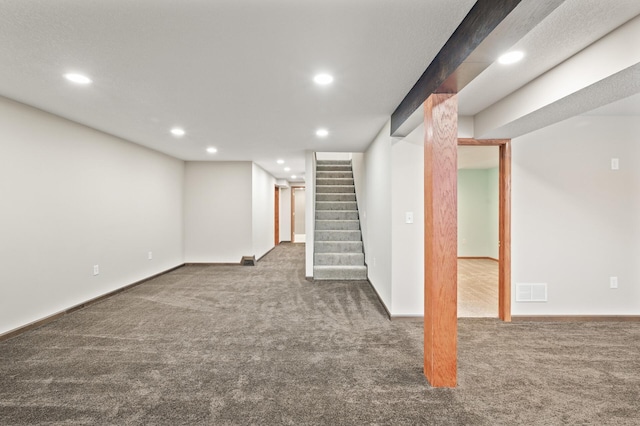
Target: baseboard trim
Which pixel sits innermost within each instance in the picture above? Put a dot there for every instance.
(53, 317)
(479, 257)
(575, 318)
(213, 264)
(386, 310)
(416, 317)
(261, 257)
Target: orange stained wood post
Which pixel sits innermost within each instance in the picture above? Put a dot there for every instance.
(441, 244)
(504, 287)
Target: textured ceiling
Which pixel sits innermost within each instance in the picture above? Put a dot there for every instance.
(236, 75)
(629, 106)
(574, 25)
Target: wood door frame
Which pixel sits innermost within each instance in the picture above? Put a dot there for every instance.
(276, 215)
(293, 209)
(504, 226)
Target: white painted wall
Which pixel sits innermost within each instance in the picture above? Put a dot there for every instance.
(342, 156)
(310, 209)
(218, 211)
(73, 197)
(285, 214)
(575, 221)
(299, 211)
(359, 174)
(407, 240)
(376, 214)
(478, 213)
(494, 212)
(263, 211)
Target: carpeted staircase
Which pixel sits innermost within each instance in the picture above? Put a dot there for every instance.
(339, 252)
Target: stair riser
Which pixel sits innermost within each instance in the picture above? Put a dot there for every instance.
(334, 175)
(340, 275)
(334, 181)
(341, 189)
(336, 215)
(338, 236)
(344, 259)
(338, 225)
(336, 197)
(338, 247)
(333, 169)
(336, 205)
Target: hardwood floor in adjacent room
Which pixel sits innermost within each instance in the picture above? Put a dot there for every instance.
(477, 288)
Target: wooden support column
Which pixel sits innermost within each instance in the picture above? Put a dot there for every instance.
(441, 245)
(504, 275)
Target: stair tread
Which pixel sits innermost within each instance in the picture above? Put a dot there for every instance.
(354, 267)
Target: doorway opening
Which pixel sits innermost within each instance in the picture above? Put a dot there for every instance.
(478, 231)
(298, 200)
(484, 228)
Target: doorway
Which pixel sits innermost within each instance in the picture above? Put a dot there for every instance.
(298, 228)
(503, 219)
(478, 231)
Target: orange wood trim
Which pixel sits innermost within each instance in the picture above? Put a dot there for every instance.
(276, 215)
(53, 317)
(576, 318)
(504, 255)
(481, 142)
(440, 263)
(504, 274)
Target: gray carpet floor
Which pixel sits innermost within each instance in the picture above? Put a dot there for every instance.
(261, 345)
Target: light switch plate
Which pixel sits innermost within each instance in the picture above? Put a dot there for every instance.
(408, 217)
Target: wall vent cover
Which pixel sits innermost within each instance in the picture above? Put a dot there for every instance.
(531, 292)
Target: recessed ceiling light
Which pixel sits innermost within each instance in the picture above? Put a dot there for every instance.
(293, 176)
(280, 161)
(322, 133)
(287, 169)
(323, 79)
(77, 78)
(177, 131)
(511, 57)
(211, 150)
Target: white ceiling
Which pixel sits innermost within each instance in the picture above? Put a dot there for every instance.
(574, 25)
(237, 74)
(625, 107)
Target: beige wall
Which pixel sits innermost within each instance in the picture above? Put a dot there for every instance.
(576, 222)
(263, 211)
(217, 210)
(73, 197)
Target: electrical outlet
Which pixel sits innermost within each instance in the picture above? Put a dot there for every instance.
(150, 255)
(96, 269)
(615, 164)
(613, 282)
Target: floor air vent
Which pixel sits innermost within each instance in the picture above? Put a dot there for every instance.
(531, 292)
(248, 261)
